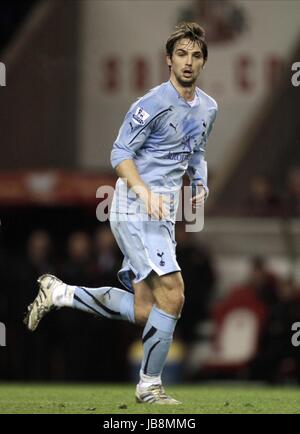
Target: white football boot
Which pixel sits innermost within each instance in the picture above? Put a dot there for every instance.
(43, 303)
(154, 394)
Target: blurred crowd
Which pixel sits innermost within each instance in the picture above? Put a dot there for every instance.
(75, 346)
(253, 328)
(68, 345)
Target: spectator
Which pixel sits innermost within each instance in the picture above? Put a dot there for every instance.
(293, 192)
(78, 268)
(277, 357)
(108, 258)
(263, 282)
(199, 278)
(24, 271)
(37, 260)
(262, 200)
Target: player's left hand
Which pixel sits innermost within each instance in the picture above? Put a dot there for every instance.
(198, 200)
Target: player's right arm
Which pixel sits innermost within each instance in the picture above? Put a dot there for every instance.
(154, 204)
(136, 128)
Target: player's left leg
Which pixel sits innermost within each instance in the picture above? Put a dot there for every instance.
(105, 302)
(143, 302)
(115, 303)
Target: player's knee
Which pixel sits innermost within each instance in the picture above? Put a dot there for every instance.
(173, 294)
(174, 288)
(177, 299)
(141, 313)
(173, 282)
(181, 300)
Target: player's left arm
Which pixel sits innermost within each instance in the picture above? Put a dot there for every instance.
(197, 168)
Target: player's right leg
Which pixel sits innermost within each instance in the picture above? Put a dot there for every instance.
(168, 293)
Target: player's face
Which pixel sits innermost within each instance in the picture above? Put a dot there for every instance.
(186, 62)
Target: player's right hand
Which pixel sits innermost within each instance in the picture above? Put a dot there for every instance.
(156, 204)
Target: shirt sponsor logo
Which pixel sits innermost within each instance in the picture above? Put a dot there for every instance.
(177, 156)
(140, 116)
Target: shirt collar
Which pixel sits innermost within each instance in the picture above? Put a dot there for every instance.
(174, 92)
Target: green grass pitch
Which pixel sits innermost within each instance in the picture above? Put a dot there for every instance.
(119, 399)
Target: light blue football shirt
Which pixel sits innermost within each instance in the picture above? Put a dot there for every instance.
(166, 137)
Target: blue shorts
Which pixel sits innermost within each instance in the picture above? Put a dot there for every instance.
(147, 246)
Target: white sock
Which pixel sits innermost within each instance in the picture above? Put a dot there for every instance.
(148, 380)
(63, 295)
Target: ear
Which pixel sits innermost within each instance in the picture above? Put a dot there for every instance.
(169, 61)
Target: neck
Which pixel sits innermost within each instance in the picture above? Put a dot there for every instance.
(188, 93)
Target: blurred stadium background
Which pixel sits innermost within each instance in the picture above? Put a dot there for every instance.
(72, 70)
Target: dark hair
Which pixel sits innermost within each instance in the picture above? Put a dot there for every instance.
(191, 31)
